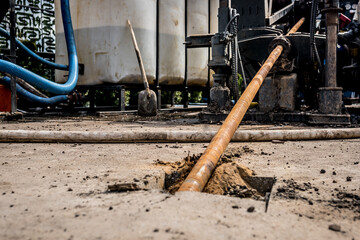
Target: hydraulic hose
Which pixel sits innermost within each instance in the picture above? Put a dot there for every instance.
(241, 65)
(34, 98)
(41, 82)
(313, 48)
(232, 19)
(19, 44)
(234, 58)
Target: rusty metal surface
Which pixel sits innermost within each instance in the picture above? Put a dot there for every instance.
(200, 174)
(330, 100)
(296, 27)
(278, 93)
(331, 42)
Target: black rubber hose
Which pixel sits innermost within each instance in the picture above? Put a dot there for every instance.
(234, 59)
(313, 48)
(231, 20)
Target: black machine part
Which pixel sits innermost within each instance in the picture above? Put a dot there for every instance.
(4, 9)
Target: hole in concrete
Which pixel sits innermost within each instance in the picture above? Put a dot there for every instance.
(229, 178)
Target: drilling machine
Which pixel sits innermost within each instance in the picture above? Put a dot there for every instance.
(308, 82)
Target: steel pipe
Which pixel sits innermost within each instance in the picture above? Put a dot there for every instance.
(200, 174)
(332, 22)
(13, 54)
(173, 136)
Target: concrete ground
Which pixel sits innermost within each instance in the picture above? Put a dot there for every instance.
(59, 191)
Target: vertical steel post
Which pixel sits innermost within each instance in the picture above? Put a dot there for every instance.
(13, 53)
(224, 14)
(330, 96)
(185, 92)
(331, 42)
(225, 3)
(157, 82)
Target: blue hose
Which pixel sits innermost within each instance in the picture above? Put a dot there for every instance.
(19, 44)
(41, 82)
(32, 97)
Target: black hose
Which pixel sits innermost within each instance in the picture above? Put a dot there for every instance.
(231, 20)
(234, 57)
(241, 65)
(313, 48)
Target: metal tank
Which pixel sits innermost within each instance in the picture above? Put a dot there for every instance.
(214, 22)
(171, 42)
(105, 48)
(197, 58)
(104, 42)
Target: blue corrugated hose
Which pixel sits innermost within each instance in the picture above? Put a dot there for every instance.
(32, 97)
(19, 44)
(41, 82)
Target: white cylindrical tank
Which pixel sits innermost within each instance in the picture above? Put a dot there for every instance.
(171, 42)
(197, 59)
(104, 42)
(105, 47)
(214, 22)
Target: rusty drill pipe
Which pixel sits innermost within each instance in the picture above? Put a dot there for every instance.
(200, 174)
(296, 27)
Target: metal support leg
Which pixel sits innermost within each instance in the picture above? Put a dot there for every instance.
(186, 97)
(220, 62)
(122, 98)
(158, 95)
(330, 96)
(331, 41)
(13, 54)
(92, 99)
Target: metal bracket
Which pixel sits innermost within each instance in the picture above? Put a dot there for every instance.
(284, 42)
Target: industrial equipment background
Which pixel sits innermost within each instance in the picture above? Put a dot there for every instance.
(200, 174)
(212, 46)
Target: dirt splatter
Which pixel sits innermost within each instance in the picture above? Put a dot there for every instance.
(342, 200)
(291, 189)
(346, 200)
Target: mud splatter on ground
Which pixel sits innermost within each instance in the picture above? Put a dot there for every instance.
(346, 200)
(341, 200)
(291, 189)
